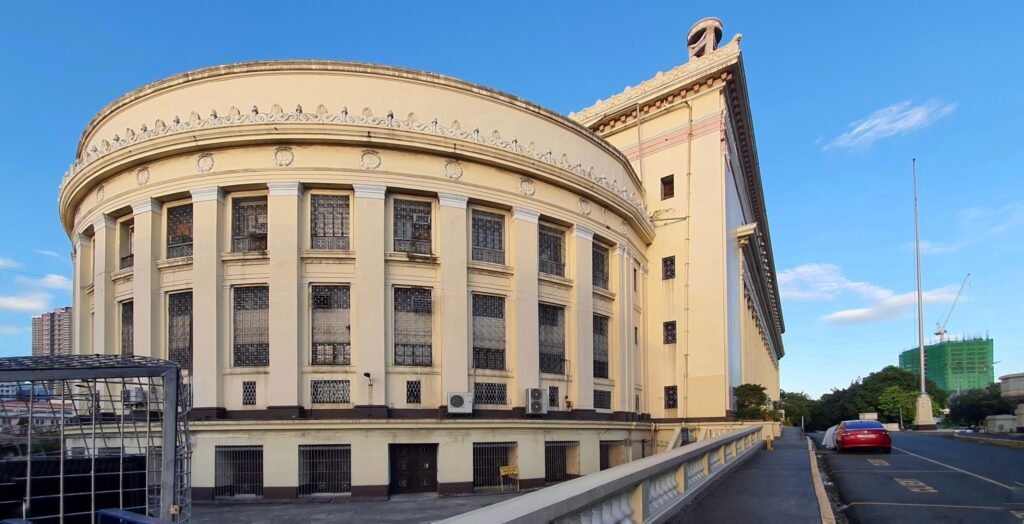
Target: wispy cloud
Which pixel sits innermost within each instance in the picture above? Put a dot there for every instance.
(49, 281)
(32, 302)
(6, 263)
(893, 120)
(891, 307)
(977, 225)
(48, 253)
(11, 330)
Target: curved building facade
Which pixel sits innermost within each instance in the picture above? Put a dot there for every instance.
(382, 280)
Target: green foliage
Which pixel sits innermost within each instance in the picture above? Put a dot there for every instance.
(864, 395)
(751, 401)
(797, 406)
(971, 408)
(895, 403)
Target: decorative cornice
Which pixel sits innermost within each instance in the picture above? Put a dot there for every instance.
(206, 194)
(526, 215)
(82, 240)
(582, 232)
(448, 200)
(745, 232)
(104, 221)
(146, 205)
(370, 191)
(286, 189)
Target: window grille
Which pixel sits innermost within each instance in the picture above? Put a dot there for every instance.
(600, 346)
(553, 397)
(329, 217)
(331, 326)
(671, 397)
(551, 248)
(249, 393)
(128, 246)
(329, 391)
(325, 469)
(248, 224)
(668, 268)
(488, 459)
(600, 266)
(488, 237)
(488, 332)
(413, 327)
(127, 328)
(490, 393)
(669, 332)
(179, 329)
(602, 399)
(412, 226)
(179, 231)
(557, 457)
(251, 326)
(238, 471)
(413, 392)
(552, 339)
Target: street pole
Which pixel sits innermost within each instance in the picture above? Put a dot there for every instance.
(923, 419)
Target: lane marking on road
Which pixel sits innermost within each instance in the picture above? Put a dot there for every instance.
(1018, 483)
(1018, 514)
(922, 505)
(915, 485)
(975, 475)
(866, 470)
(877, 462)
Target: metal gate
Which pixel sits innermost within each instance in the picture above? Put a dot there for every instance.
(325, 469)
(561, 461)
(488, 459)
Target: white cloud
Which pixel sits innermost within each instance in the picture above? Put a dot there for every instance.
(896, 119)
(47, 252)
(891, 307)
(11, 330)
(977, 225)
(824, 282)
(33, 302)
(49, 281)
(6, 263)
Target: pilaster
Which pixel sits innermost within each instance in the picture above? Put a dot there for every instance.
(81, 327)
(207, 297)
(104, 339)
(582, 351)
(283, 214)
(368, 342)
(622, 269)
(455, 321)
(526, 319)
(146, 279)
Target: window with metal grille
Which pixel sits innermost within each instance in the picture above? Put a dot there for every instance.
(602, 399)
(413, 392)
(490, 393)
(561, 461)
(488, 459)
(179, 231)
(325, 469)
(553, 396)
(331, 326)
(668, 268)
(127, 328)
(488, 332)
(413, 327)
(600, 346)
(671, 397)
(127, 245)
(248, 224)
(605, 449)
(179, 329)
(249, 393)
(251, 345)
(600, 266)
(412, 226)
(238, 471)
(668, 187)
(488, 237)
(551, 250)
(329, 392)
(552, 339)
(329, 222)
(668, 332)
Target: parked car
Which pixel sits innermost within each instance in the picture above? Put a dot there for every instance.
(862, 434)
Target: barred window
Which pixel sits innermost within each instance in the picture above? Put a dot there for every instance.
(127, 245)
(488, 237)
(413, 392)
(551, 247)
(490, 393)
(488, 459)
(412, 226)
(325, 468)
(600, 346)
(553, 396)
(488, 332)
(600, 266)
(668, 268)
(669, 332)
(329, 392)
(552, 338)
(248, 224)
(329, 217)
(602, 399)
(179, 329)
(127, 328)
(413, 327)
(249, 393)
(251, 326)
(671, 397)
(179, 231)
(331, 326)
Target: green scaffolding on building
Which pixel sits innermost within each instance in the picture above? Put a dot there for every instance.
(954, 365)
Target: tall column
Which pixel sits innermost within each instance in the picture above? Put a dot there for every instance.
(455, 319)
(104, 339)
(283, 215)
(525, 296)
(207, 277)
(368, 291)
(623, 271)
(146, 279)
(583, 308)
(81, 328)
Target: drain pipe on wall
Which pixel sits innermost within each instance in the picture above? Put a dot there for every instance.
(686, 245)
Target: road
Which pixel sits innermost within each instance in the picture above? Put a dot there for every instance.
(931, 477)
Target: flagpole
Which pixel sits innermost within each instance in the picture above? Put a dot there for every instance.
(923, 419)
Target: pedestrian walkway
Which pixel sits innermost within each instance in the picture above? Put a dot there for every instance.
(774, 486)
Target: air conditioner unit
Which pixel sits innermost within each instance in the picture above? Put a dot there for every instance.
(536, 401)
(460, 403)
(134, 396)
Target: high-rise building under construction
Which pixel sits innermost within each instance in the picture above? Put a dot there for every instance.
(954, 365)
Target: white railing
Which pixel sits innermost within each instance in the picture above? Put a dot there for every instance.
(646, 490)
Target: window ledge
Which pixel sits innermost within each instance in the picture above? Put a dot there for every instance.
(490, 373)
(601, 292)
(411, 370)
(340, 254)
(554, 377)
(489, 267)
(122, 274)
(555, 280)
(245, 255)
(401, 256)
(604, 382)
(174, 262)
(328, 369)
(247, 371)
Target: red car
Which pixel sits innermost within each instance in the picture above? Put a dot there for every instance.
(862, 434)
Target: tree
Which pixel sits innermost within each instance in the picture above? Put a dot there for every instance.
(751, 401)
(896, 404)
(796, 406)
(971, 408)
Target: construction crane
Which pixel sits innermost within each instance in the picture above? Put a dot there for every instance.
(940, 329)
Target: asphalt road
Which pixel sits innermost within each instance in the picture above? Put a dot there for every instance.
(931, 477)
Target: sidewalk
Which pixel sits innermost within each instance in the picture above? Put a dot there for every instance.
(774, 486)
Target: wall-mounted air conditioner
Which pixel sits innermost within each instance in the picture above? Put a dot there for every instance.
(460, 403)
(536, 401)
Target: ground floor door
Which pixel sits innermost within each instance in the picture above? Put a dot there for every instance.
(413, 468)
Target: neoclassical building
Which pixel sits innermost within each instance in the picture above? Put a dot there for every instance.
(381, 280)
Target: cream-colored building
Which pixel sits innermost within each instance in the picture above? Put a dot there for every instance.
(383, 280)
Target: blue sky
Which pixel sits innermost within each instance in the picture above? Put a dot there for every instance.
(842, 99)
